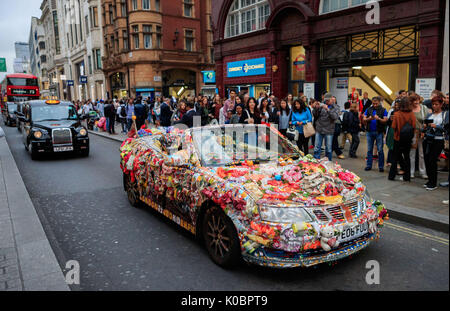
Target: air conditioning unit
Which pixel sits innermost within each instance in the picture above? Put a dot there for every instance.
(359, 55)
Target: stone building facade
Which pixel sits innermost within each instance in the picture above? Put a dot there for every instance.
(155, 47)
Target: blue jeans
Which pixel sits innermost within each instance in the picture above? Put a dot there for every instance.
(373, 137)
(129, 124)
(328, 146)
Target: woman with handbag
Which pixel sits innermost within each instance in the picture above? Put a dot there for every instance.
(301, 116)
(433, 144)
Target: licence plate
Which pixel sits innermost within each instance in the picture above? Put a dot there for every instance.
(62, 149)
(355, 232)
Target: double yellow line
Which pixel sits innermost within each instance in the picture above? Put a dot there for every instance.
(418, 233)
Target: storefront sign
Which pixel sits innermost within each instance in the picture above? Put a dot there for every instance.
(342, 83)
(309, 90)
(157, 78)
(70, 83)
(245, 68)
(424, 87)
(83, 79)
(209, 76)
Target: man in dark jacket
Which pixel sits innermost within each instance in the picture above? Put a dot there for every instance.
(166, 114)
(351, 124)
(140, 111)
(325, 117)
(110, 114)
(188, 117)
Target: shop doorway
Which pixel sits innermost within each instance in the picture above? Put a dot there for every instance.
(179, 83)
(377, 80)
(297, 70)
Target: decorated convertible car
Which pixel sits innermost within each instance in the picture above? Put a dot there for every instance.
(249, 193)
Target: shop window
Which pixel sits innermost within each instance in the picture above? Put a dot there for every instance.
(246, 16)
(328, 6)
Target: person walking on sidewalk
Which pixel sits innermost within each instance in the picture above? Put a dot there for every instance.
(404, 124)
(130, 114)
(351, 125)
(110, 113)
(435, 133)
(122, 112)
(420, 111)
(140, 111)
(375, 119)
(325, 117)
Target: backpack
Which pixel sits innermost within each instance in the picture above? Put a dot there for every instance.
(123, 111)
(407, 133)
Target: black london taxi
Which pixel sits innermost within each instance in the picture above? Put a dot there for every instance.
(9, 116)
(53, 126)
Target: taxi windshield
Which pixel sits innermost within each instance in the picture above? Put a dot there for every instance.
(54, 113)
(233, 145)
(12, 108)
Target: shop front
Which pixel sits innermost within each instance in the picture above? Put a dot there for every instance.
(179, 83)
(118, 85)
(248, 76)
(209, 83)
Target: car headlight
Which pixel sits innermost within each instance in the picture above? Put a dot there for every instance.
(83, 132)
(284, 214)
(38, 134)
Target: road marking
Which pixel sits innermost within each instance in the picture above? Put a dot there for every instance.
(418, 233)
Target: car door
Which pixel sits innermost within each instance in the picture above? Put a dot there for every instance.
(26, 124)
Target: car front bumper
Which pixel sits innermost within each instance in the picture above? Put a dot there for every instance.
(281, 259)
(46, 146)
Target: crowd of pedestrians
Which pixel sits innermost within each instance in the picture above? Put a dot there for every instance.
(415, 130)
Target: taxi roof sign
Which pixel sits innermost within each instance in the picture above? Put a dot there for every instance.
(52, 102)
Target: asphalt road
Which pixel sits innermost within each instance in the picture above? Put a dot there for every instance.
(87, 218)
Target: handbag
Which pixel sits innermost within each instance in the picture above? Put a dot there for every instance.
(292, 133)
(308, 130)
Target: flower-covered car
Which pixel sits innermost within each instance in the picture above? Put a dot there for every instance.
(249, 193)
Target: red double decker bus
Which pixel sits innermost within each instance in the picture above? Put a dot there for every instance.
(19, 87)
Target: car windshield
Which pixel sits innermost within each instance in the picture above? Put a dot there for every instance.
(54, 113)
(12, 108)
(221, 146)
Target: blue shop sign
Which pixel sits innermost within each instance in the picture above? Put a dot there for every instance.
(209, 76)
(83, 79)
(245, 68)
(70, 83)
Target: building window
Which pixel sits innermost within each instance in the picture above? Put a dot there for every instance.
(327, 6)
(188, 8)
(189, 40)
(158, 37)
(111, 16)
(125, 40)
(157, 5)
(135, 29)
(246, 16)
(146, 4)
(56, 30)
(86, 22)
(148, 42)
(123, 6)
(134, 5)
(94, 16)
(98, 59)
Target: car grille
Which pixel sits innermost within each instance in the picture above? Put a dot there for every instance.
(62, 137)
(338, 212)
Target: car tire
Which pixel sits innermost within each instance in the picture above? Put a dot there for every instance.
(132, 191)
(221, 239)
(34, 154)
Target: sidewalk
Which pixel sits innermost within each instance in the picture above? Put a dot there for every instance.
(27, 261)
(408, 202)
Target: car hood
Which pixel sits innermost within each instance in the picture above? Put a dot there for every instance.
(304, 182)
(49, 125)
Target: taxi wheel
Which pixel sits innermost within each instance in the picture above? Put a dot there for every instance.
(221, 239)
(34, 155)
(132, 191)
(85, 153)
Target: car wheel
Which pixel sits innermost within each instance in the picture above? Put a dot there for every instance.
(132, 191)
(34, 155)
(221, 239)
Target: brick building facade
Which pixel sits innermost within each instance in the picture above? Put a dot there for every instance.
(320, 41)
(155, 47)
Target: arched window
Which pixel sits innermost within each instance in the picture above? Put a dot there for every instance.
(328, 6)
(246, 16)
